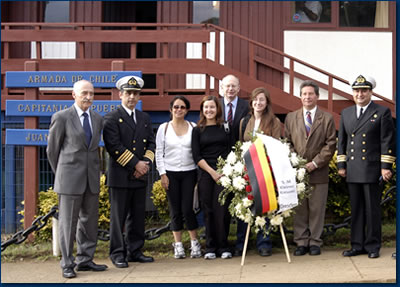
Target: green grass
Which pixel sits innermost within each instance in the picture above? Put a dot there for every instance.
(161, 247)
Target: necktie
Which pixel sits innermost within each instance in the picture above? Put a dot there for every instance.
(308, 123)
(86, 128)
(230, 114)
(133, 119)
(361, 112)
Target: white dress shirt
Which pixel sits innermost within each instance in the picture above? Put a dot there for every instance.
(81, 117)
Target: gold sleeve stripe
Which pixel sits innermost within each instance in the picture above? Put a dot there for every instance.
(388, 158)
(150, 155)
(125, 157)
(341, 158)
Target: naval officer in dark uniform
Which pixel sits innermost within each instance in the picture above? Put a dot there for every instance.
(366, 153)
(129, 140)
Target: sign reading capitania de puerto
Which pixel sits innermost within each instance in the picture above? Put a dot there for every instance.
(40, 79)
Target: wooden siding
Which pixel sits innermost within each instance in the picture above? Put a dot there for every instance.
(260, 21)
(174, 12)
(20, 11)
(87, 12)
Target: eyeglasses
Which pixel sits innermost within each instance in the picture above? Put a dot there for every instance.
(181, 107)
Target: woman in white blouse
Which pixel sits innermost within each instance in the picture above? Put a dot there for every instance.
(178, 174)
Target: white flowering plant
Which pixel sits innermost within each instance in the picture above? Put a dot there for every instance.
(236, 184)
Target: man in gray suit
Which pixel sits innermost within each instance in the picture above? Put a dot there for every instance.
(73, 154)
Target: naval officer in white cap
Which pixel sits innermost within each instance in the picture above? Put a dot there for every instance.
(366, 153)
(130, 142)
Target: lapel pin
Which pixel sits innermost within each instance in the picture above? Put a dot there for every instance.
(120, 120)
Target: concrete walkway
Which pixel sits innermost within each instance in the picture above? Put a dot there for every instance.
(329, 267)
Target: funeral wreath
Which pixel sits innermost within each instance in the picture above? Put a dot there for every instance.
(236, 182)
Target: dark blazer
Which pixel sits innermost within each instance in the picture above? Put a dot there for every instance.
(72, 161)
(241, 111)
(366, 145)
(319, 146)
(126, 144)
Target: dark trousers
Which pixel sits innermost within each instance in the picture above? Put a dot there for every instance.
(180, 199)
(127, 210)
(216, 217)
(262, 242)
(365, 202)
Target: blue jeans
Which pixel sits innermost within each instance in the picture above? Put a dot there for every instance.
(262, 242)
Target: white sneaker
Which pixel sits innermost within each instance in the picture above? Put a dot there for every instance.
(210, 256)
(226, 255)
(195, 249)
(179, 251)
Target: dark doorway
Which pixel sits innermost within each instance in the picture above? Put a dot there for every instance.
(131, 12)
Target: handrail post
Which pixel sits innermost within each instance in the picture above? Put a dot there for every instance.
(116, 66)
(38, 46)
(291, 78)
(81, 46)
(31, 159)
(330, 94)
(133, 47)
(252, 66)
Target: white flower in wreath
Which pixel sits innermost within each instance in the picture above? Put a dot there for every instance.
(260, 221)
(300, 173)
(231, 159)
(245, 147)
(225, 181)
(294, 160)
(301, 187)
(286, 213)
(286, 148)
(247, 202)
(227, 170)
(239, 183)
(238, 207)
(238, 167)
(248, 218)
(276, 220)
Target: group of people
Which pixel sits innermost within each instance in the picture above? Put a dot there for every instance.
(186, 154)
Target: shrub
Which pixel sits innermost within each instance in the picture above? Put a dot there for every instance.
(160, 201)
(47, 199)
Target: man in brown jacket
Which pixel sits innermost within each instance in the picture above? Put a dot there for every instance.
(312, 135)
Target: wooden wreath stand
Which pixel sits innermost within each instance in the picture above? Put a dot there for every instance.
(283, 239)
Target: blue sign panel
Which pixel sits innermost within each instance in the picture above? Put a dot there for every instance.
(47, 108)
(29, 137)
(36, 79)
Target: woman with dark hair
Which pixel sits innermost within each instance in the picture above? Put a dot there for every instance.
(261, 119)
(178, 174)
(210, 140)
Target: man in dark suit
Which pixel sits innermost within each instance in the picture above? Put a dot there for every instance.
(234, 109)
(366, 153)
(73, 154)
(129, 140)
(312, 134)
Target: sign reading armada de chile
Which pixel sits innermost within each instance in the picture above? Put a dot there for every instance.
(40, 79)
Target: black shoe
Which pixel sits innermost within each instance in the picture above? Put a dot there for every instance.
(300, 250)
(91, 266)
(265, 251)
(353, 252)
(141, 258)
(237, 252)
(68, 272)
(119, 262)
(373, 254)
(315, 250)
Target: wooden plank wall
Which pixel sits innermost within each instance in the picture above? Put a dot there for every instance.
(175, 12)
(260, 21)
